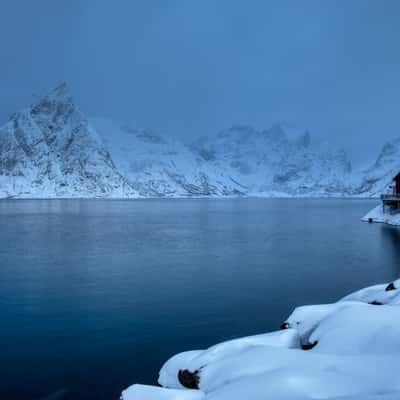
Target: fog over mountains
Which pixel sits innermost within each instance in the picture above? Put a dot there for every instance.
(52, 150)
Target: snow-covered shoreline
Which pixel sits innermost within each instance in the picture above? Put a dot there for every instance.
(378, 215)
(346, 350)
(188, 197)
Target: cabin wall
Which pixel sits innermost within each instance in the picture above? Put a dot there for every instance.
(396, 185)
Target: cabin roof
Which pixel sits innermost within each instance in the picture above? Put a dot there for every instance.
(397, 176)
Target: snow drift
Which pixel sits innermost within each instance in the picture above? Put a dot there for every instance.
(356, 348)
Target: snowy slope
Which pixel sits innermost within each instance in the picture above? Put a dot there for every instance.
(356, 347)
(51, 150)
(238, 161)
(377, 178)
(278, 161)
(157, 166)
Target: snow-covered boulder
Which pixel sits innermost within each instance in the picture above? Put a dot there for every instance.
(309, 373)
(360, 329)
(386, 293)
(345, 327)
(306, 319)
(169, 373)
(194, 361)
(310, 376)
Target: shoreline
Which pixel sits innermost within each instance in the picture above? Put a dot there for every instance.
(282, 365)
(376, 215)
(195, 198)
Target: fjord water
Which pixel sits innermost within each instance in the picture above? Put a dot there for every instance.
(96, 295)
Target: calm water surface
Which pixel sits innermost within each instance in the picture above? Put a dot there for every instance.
(95, 295)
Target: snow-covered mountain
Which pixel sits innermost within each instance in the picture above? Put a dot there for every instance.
(278, 161)
(377, 178)
(157, 166)
(238, 161)
(51, 149)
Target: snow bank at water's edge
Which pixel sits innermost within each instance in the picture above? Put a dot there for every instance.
(346, 350)
(377, 215)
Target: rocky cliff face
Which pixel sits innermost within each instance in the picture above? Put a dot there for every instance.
(52, 150)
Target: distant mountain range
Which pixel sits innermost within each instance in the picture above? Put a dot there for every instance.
(51, 150)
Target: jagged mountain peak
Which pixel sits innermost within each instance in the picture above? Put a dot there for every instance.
(304, 140)
(295, 135)
(58, 95)
(390, 153)
(237, 132)
(60, 92)
(51, 150)
(275, 133)
(278, 134)
(377, 178)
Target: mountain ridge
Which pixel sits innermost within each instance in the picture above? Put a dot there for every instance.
(52, 150)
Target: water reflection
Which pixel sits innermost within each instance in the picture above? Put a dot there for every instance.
(391, 243)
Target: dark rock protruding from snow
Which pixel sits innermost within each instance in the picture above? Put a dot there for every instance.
(189, 379)
(390, 287)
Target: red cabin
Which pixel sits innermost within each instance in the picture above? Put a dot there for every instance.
(396, 185)
(391, 202)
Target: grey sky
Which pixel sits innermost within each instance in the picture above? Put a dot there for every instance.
(187, 68)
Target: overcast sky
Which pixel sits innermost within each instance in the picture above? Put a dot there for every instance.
(192, 67)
